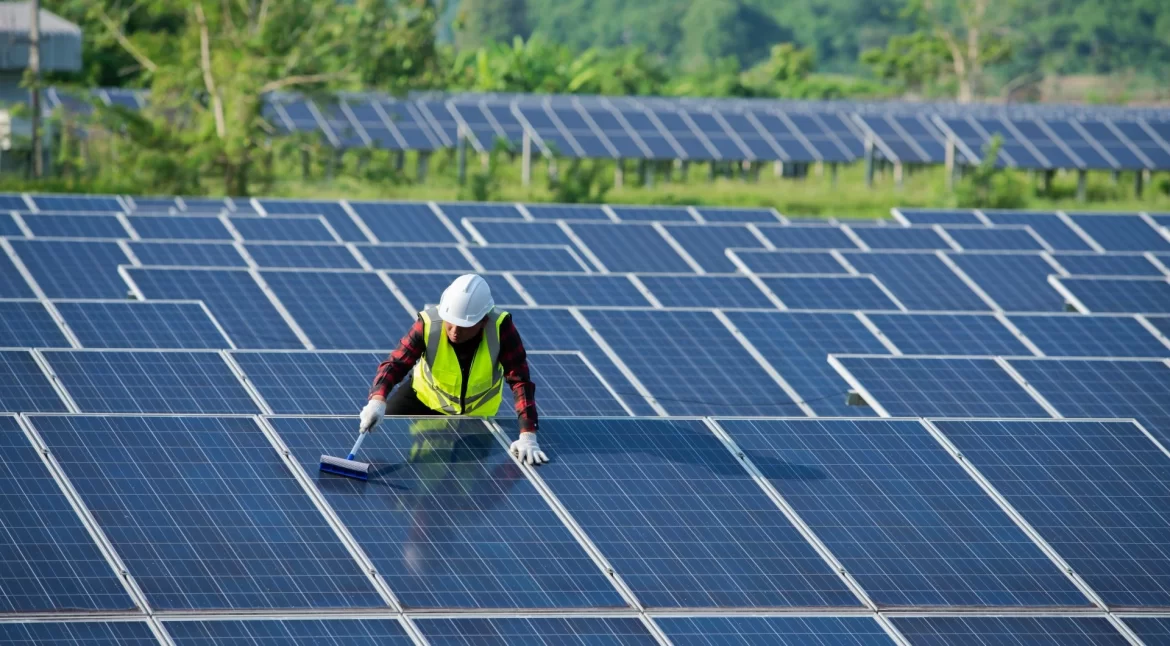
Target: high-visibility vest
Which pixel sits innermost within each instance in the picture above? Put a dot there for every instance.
(438, 381)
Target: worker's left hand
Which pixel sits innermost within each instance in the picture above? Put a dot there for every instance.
(527, 450)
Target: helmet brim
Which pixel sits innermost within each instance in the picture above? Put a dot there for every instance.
(459, 322)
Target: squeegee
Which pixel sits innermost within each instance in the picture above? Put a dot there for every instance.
(348, 466)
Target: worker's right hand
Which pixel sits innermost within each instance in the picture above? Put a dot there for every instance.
(372, 414)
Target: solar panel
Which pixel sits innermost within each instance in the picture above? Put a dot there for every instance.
(653, 213)
(1152, 630)
(900, 238)
(939, 216)
(75, 226)
(455, 523)
(508, 232)
(25, 388)
(150, 382)
(277, 229)
(568, 387)
(187, 254)
(566, 212)
(789, 262)
(423, 289)
(1016, 282)
(29, 325)
(784, 631)
(294, 632)
(312, 383)
(942, 387)
(906, 521)
(331, 211)
(226, 525)
(528, 259)
(141, 324)
(1121, 295)
(535, 630)
(707, 244)
(12, 283)
(1090, 336)
(919, 281)
(830, 293)
(74, 269)
(716, 214)
(583, 290)
(178, 227)
(1000, 239)
(1047, 225)
(1111, 264)
(1095, 491)
(1021, 631)
(460, 210)
(8, 226)
(160, 204)
(808, 237)
(403, 222)
(11, 202)
(303, 256)
(339, 310)
(83, 203)
(234, 298)
(411, 257)
(949, 334)
(78, 633)
(679, 519)
(1116, 232)
(686, 360)
(707, 291)
(630, 247)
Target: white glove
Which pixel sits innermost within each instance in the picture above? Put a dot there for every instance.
(372, 414)
(527, 450)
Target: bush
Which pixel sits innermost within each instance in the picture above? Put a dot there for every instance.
(989, 187)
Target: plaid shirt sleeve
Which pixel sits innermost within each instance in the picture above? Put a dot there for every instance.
(515, 363)
(395, 368)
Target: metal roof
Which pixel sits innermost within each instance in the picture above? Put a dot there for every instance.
(60, 39)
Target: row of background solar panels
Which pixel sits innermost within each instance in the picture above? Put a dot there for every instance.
(867, 490)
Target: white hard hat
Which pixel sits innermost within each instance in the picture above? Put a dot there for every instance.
(466, 301)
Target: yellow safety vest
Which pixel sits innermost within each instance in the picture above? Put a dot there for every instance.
(438, 381)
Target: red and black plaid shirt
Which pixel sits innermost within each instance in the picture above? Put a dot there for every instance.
(512, 358)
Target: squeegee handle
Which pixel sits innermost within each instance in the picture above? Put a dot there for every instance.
(358, 444)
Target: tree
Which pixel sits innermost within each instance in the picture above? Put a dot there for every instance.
(974, 37)
(484, 21)
(718, 29)
(915, 61)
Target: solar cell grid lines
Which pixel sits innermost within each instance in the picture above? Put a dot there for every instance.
(785, 631)
(331, 211)
(535, 630)
(560, 258)
(583, 290)
(29, 324)
(808, 237)
(1090, 336)
(9, 202)
(26, 387)
(142, 324)
(566, 212)
(1119, 295)
(1002, 238)
(708, 244)
(1117, 232)
(74, 269)
(1017, 282)
(952, 334)
(178, 227)
(630, 247)
(89, 633)
(1039, 630)
(900, 237)
(75, 226)
(707, 291)
(339, 309)
(1107, 264)
(283, 229)
(402, 222)
(761, 261)
(302, 256)
(187, 254)
(508, 232)
(458, 211)
(832, 292)
(920, 281)
(1047, 225)
(569, 387)
(653, 213)
(8, 226)
(79, 203)
(312, 383)
(293, 632)
(714, 214)
(937, 216)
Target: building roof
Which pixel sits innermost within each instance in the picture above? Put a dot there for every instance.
(60, 39)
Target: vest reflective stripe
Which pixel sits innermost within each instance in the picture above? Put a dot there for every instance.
(439, 373)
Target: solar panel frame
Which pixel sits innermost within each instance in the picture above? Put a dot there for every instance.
(339, 309)
(580, 630)
(1121, 232)
(1107, 264)
(1016, 281)
(799, 236)
(74, 268)
(100, 226)
(912, 217)
(997, 238)
(783, 630)
(832, 292)
(293, 631)
(179, 227)
(920, 281)
(79, 633)
(1040, 630)
(284, 229)
(707, 244)
(902, 238)
(1046, 224)
(333, 212)
(29, 324)
(27, 387)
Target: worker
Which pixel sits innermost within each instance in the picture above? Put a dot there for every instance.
(468, 350)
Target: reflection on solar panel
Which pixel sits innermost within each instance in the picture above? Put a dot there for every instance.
(1112, 264)
(535, 630)
(790, 262)
(568, 388)
(1152, 630)
(902, 515)
(808, 237)
(707, 244)
(784, 631)
(233, 297)
(82, 203)
(949, 334)
(1001, 239)
(232, 528)
(303, 256)
(423, 289)
(89, 633)
(74, 269)
(459, 210)
(630, 247)
(650, 213)
(528, 259)
(279, 229)
(150, 382)
(942, 387)
(294, 632)
(594, 289)
(187, 254)
(508, 232)
(830, 293)
(50, 562)
(1016, 282)
(141, 324)
(403, 222)
(25, 387)
(1095, 491)
(900, 238)
(715, 214)
(1090, 336)
(1121, 295)
(75, 226)
(416, 257)
(679, 519)
(566, 212)
(707, 291)
(919, 281)
(940, 216)
(687, 359)
(28, 324)
(455, 523)
(1047, 225)
(339, 310)
(1121, 232)
(331, 211)
(1041, 631)
(177, 227)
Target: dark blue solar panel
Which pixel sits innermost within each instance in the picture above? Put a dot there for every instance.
(506, 232)
(813, 237)
(25, 388)
(567, 388)
(988, 239)
(141, 324)
(312, 383)
(226, 525)
(454, 523)
(78, 633)
(426, 289)
(686, 359)
(403, 222)
(303, 256)
(187, 254)
(1113, 264)
(80, 269)
(161, 204)
(293, 632)
(1095, 491)
(179, 227)
(830, 292)
(949, 334)
(234, 298)
(583, 290)
(332, 212)
(566, 212)
(797, 345)
(707, 244)
(1009, 631)
(83, 203)
(1121, 232)
(458, 211)
(630, 247)
(715, 214)
(29, 325)
(940, 216)
(650, 213)
(707, 291)
(790, 262)
(763, 631)
(49, 560)
(679, 519)
(75, 226)
(12, 283)
(1050, 227)
(417, 257)
(340, 310)
(919, 281)
(11, 202)
(1090, 336)
(582, 631)
(8, 226)
(1134, 295)
(950, 387)
(529, 259)
(1152, 630)
(904, 518)
(277, 229)
(900, 238)
(1016, 282)
(150, 382)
